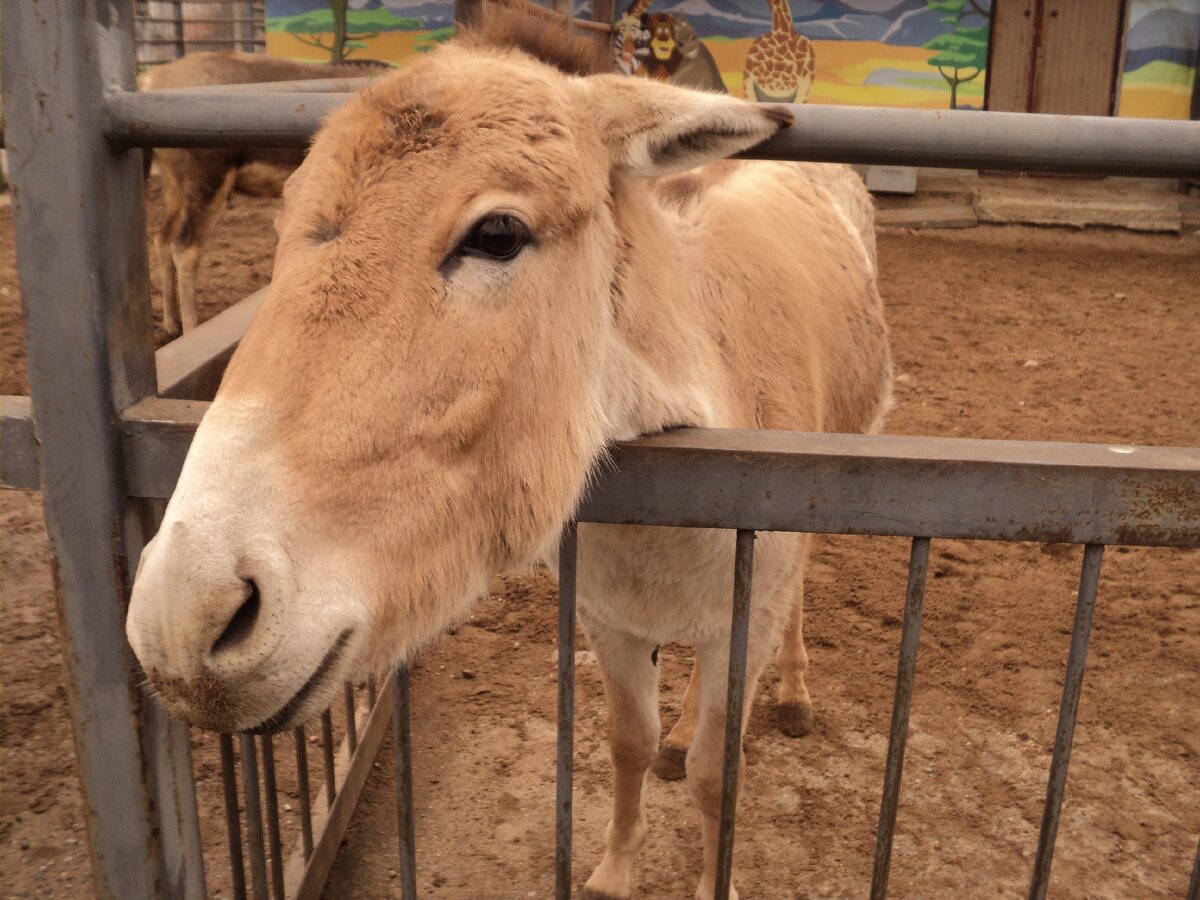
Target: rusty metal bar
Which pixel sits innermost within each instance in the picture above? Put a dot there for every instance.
(371, 692)
(406, 832)
(563, 807)
(271, 795)
(233, 819)
(254, 819)
(918, 568)
(348, 706)
(303, 789)
(1085, 607)
(735, 701)
(327, 751)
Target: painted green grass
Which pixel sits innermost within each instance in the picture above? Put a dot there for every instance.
(1159, 73)
(357, 20)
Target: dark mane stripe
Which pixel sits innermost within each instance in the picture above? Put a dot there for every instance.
(539, 32)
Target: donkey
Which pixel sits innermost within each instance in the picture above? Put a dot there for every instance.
(490, 267)
(196, 184)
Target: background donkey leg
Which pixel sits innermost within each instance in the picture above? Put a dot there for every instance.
(172, 197)
(706, 756)
(631, 685)
(204, 202)
(794, 711)
(670, 764)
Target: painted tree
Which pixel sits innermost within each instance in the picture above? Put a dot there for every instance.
(961, 54)
(312, 29)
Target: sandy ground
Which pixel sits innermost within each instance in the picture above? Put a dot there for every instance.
(999, 333)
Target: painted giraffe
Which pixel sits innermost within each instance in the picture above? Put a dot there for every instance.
(780, 64)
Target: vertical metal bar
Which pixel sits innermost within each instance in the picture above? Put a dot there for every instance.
(567, 565)
(1194, 887)
(327, 751)
(1085, 607)
(91, 354)
(404, 791)
(254, 820)
(739, 633)
(303, 789)
(371, 694)
(271, 793)
(180, 43)
(233, 821)
(246, 13)
(351, 725)
(918, 569)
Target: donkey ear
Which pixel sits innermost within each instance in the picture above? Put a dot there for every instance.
(652, 128)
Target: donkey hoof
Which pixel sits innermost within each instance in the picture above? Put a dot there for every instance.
(593, 894)
(671, 763)
(793, 719)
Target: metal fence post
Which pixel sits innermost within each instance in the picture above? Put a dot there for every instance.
(81, 246)
(568, 562)
(1081, 634)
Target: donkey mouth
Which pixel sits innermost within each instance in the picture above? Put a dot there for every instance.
(289, 710)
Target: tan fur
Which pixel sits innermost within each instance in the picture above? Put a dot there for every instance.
(196, 183)
(401, 421)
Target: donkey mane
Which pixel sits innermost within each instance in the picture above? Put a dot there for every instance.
(537, 33)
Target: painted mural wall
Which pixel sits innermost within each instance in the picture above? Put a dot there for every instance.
(929, 54)
(1160, 59)
(911, 53)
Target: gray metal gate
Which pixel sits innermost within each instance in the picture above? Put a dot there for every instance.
(167, 29)
(109, 422)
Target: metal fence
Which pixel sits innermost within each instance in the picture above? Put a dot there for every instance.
(110, 420)
(167, 29)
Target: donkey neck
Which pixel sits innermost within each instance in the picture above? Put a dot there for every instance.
(665, 367)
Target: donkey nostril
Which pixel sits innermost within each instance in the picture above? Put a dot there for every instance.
(242, 623)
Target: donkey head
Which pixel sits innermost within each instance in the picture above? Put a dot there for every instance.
(427, 386)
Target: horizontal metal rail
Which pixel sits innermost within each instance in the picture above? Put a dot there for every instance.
(308, 86)
(790, 481)
(190, 367)
(953, 138)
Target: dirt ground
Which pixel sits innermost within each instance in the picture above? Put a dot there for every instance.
(998, 333)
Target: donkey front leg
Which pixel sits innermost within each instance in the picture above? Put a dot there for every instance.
(631, 684)
(794, 711)
(706, 756)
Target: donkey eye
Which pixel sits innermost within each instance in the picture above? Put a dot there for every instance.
(497, 237)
